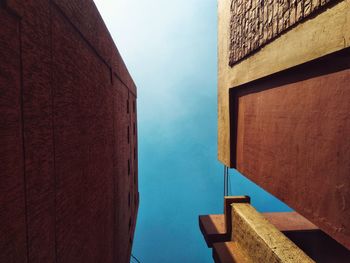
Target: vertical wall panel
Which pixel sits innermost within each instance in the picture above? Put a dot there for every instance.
(293, 140)
(66, 168)
(134, 177)
(83, 108)
(123, 170)
(12, 198)
(83, 15)
(38, 133)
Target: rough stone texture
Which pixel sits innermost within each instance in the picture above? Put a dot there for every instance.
(256, 22)
(260, 240)
(68, 165)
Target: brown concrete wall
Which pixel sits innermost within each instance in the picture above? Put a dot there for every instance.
(283, 102)
(68, 150)
(292, 139)
(320, 34)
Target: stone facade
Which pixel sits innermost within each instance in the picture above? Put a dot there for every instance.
(255, 22)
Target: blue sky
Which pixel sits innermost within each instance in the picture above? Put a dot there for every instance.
(169, 48)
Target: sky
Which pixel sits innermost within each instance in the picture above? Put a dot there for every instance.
(170, 49)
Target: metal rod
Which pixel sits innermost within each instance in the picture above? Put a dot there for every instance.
(224, 180)
(227, 182)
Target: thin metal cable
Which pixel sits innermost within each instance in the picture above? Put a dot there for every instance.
(229, 183)
(224, 180)
(138, 261)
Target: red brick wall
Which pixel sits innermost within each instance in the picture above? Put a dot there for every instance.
(68, 150)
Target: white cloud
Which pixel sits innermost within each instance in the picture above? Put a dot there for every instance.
(169, 51)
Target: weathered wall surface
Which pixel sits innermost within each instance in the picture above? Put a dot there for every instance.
(292, 140)
(317, 36)
(289, 135)
(256, 22)
(68, 144)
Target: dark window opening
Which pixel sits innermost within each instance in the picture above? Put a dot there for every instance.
(128, 167)
(128, 135)
(111, 74)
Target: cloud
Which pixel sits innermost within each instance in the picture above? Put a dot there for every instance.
(168, 49)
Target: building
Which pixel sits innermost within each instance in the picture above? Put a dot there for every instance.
(68, 136)
(284, 123)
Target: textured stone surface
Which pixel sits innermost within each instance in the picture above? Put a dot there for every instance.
(260, 240)
(255, 22)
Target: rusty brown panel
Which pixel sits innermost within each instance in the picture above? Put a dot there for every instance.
(13, 245)
(123, 169)
(38, 136)
(225, 252)
(213, 229)
(289, 221)
(83, 123)
(85, 17)
(292, 140)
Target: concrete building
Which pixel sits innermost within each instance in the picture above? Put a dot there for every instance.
(284, 123)
(68, 136)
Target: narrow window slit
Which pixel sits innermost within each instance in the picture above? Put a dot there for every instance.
(128, 135)
(128, 167)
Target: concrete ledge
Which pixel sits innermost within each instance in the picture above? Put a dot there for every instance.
(213, 229)
(229, 252)
(217, 228)
(267, 237)
(261, 240)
